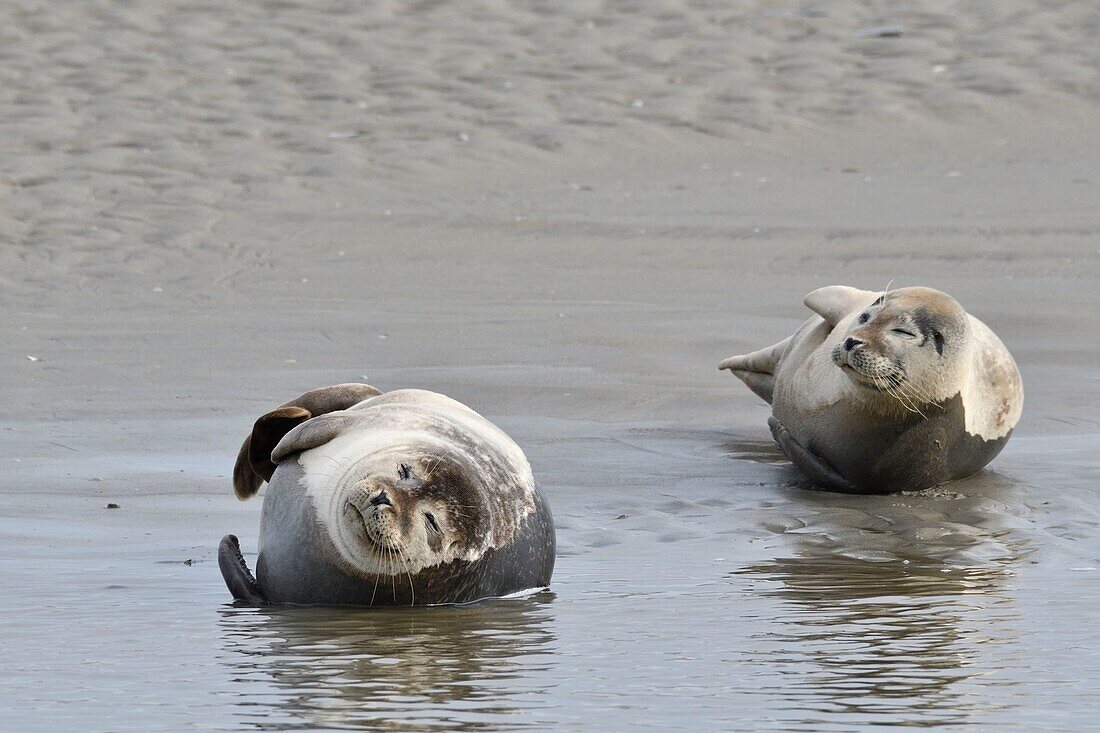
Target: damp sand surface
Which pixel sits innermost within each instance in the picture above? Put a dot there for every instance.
(205, 211)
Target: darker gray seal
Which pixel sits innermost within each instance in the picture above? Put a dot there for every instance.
(406, 498)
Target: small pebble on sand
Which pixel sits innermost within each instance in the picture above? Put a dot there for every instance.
(885, 31)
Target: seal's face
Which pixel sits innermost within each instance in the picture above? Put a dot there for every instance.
(907, 345)
(409, 514)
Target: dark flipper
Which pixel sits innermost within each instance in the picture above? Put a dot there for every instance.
(238, 578)
(246, 482)
(254, 464)
(811, 464)
(266, 434)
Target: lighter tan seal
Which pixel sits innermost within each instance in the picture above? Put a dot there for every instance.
(881, 392)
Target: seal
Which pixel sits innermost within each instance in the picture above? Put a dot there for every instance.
(403, 498)
(886, 392)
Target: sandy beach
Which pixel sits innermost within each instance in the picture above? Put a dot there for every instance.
(564, 217)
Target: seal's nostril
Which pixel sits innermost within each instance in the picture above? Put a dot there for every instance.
(851, 344)
(381, 500)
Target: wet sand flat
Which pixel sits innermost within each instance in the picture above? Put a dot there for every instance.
(565, 219)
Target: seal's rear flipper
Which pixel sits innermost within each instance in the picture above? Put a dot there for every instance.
(811, 464)
(235, 571)
(757, 370)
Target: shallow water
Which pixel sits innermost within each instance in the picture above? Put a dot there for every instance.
(186, 243)
(704, 590)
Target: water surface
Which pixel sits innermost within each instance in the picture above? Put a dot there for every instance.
(564, 218)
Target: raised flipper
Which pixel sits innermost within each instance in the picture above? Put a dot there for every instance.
(837, 301)
(254, 464)
(266, 434)
(757, 370)
(811, 464)
(238, 578)
(313, 433)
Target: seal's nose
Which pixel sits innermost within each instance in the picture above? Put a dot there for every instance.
(851, 344)
(382, 499)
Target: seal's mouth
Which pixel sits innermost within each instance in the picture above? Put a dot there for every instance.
(882, 377)
(349, 505)
(876, 382)
(373, 542)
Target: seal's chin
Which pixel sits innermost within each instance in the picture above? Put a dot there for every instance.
(877, 382)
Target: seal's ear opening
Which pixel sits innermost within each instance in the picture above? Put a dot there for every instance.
(254, 464)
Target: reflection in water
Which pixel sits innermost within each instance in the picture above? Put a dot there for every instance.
(460, 668)
(891, 603)
(757, 451)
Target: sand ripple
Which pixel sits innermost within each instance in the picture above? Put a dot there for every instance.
(137, 124)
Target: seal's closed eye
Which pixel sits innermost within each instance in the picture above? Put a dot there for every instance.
(435, 532)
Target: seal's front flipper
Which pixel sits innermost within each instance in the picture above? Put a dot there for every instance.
(330, 399)
(757, 370)
(811, 464)
(238, 578)
(254, 464)
(835, 302)
(266, 434)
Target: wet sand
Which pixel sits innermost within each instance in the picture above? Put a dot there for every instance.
(200, 218)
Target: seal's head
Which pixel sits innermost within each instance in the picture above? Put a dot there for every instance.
(909, 346)
(401, 512)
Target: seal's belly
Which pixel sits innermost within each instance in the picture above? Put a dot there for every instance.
(879, 454)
